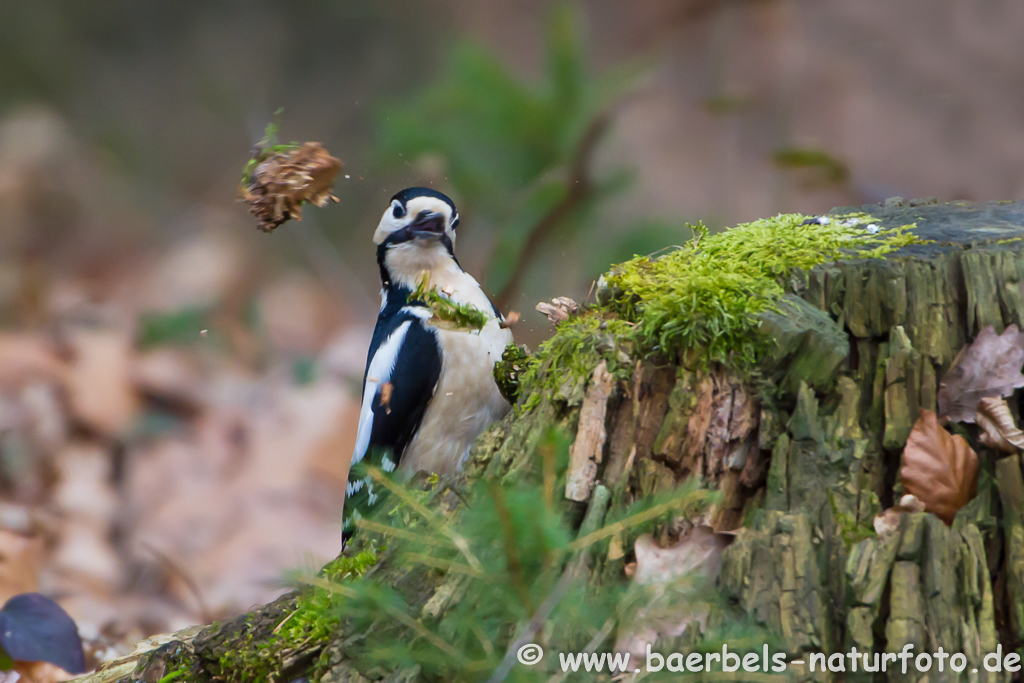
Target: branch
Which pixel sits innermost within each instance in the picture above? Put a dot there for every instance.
(579, 188)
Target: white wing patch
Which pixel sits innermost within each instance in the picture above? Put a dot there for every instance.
(421, 312)
(378, 372)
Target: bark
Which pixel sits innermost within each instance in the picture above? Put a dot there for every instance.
(803, 462)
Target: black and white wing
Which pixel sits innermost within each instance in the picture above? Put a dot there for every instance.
(402, 372)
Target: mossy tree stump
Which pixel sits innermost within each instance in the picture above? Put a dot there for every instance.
(804, 456)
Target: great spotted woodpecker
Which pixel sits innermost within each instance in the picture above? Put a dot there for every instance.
(428, 391)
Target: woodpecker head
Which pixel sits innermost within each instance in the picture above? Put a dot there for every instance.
(418, 215)
(416, 234)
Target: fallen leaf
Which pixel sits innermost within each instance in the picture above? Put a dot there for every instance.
(170, 377)
(296, 314)
(99, 384)
(559, 309)
(990, 366)
(21, 559)
(40, 672)
(283, 180)
(999, 430)
(34, 628)
(24, 357)
(940, 469)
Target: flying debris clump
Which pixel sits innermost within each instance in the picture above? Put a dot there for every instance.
(281, 177)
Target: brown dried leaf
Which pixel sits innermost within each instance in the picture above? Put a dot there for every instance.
(99, 383)
(284, 180)
(999, 430)
(40, 672)
(560, 309)
(990, 366)
(940, 469)
(25, 357)
(170, 376)
(21, 559)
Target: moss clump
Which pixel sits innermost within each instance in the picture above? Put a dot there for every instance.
(707, 293)
(266, 148)
(571, 355)
(314, 618)
(703, 298)
(458, 316)
(506, 371)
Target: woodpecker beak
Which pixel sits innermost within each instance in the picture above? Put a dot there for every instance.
(429, 224)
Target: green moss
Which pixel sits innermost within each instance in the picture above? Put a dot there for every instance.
(266, 148)
(708, 293)
(571, 355)
(506, 371)
(851, 530)
(460, 316)
(314, 618)
(174, 675)
(704, 297)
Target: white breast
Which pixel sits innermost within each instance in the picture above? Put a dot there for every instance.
(467, 399)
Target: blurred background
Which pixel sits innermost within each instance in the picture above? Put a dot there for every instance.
(178, 392)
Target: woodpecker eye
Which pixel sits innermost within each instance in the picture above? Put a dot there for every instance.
(398, 211)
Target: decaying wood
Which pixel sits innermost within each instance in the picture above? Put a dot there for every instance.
(587, 451)
(561, 308)
(806, 465)
(1010, 481)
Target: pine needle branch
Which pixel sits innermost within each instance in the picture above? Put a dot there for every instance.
(400, 615)
(616, 528)
(386, 530)
(433, 518)
(441, 563)
(508, 530)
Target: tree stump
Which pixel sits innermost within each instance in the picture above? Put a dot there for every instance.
(804, 458)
